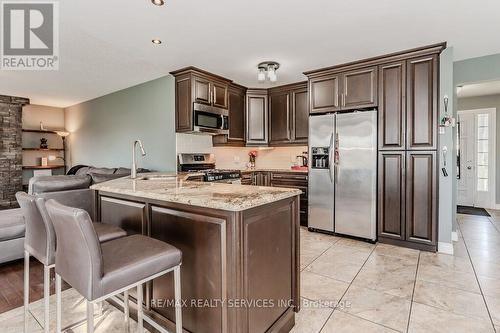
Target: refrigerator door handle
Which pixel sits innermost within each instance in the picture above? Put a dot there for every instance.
(336, 157)
(330, 149)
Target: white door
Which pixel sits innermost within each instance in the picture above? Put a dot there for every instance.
(476, 184)
(465, 175)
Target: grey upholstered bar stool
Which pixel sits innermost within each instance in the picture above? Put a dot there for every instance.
(40, 243)
(100, 271)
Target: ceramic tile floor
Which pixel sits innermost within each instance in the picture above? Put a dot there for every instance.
(350, 286)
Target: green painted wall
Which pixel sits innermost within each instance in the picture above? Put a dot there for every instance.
(447, 208)
(103, 129)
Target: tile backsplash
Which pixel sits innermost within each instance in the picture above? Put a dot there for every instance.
(237, 157)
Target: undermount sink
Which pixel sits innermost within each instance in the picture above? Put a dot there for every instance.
(156, 177)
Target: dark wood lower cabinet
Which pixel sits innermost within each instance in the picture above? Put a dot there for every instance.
(391, 195)
(407, 199)
(298, 180)
(421, 197)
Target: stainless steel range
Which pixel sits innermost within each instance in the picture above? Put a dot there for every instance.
(205, 163)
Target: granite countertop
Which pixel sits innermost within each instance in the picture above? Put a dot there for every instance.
(274, 170)
(175, 188)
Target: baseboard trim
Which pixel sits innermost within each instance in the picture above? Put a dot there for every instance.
(446, 248)
(454, 236)
(497, 206)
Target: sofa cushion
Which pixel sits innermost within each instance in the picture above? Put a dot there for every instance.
(83, 170)
(44, 184)
(102, 177)
(106, 171)
(11, 224)
(122, 171)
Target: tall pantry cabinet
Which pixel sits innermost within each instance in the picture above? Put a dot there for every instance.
(408, 143)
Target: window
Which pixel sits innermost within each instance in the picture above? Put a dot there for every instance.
(482, 152)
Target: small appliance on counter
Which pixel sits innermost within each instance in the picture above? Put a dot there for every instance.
(205, 163)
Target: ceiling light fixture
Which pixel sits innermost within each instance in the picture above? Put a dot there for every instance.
(269, 68)
(156, 41)
(158, 2)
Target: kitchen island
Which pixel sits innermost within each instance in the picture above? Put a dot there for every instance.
(240, 247)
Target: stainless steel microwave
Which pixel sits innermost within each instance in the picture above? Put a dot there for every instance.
(210, 120)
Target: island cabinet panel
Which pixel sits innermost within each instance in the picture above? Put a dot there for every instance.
(267, 264)
(324, 94)
(202, 242)
(391, 195)
(257, 118)
(392, 106)
(129, 215)
(422, 102)
(421, 196)
(230, 260)
(279, 117)
(359, 89)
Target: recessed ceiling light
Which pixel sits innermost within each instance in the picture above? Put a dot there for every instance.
(156, 41)
(158, 2)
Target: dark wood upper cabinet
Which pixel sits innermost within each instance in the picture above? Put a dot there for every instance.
(324, 94)
(421, 197)
(422, 102)
(183, 104)
(391, 195)
(354, 89)
(237, 113)
(392, 106)
(236, 107)
(289, 115)
(193, 85)
(359, 88)
(300, 115)
(202, 92)
(279, 117)
(219, 95)
(257, 117)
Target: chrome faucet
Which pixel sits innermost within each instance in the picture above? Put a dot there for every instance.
(133, 172)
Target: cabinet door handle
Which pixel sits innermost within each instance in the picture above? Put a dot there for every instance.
(336, 99)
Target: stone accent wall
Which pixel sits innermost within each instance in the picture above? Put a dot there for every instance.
(11, 170)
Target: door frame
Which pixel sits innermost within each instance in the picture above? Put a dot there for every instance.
(492, 157)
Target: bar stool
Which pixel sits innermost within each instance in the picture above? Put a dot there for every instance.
(40, 243)
(100, 271)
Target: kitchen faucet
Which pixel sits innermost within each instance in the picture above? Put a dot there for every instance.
(133, 172)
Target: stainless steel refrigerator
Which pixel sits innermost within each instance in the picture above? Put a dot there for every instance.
(343, 173)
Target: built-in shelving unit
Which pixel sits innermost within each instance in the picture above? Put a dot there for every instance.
(38, 167)
(31, 153)
(44, 149)
(27, 130)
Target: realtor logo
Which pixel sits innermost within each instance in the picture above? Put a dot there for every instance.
(30, 35)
